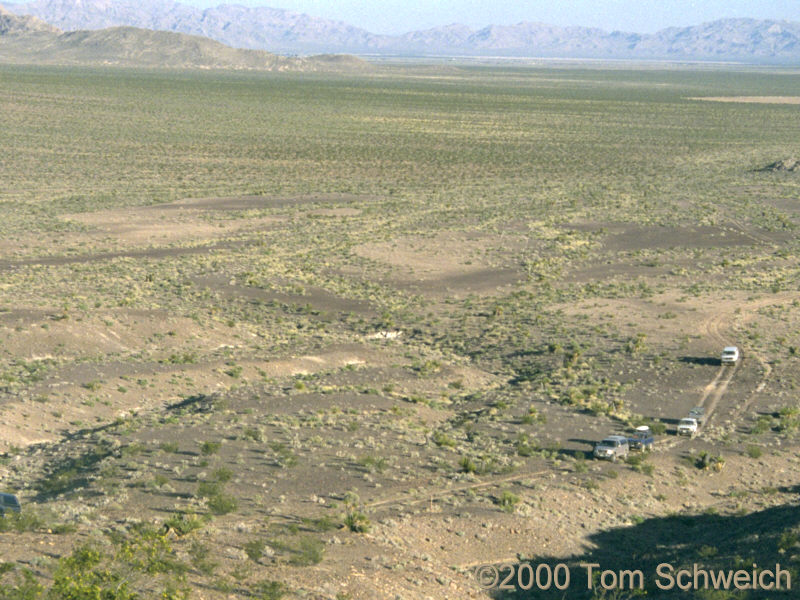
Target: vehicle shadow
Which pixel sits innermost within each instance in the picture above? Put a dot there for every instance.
(590, 443)
(576, 454)
(700, 360)
(664, 420)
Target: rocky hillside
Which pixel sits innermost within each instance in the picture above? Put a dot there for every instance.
(288, 32)
(238, 26)
(11, 24)
(29, 40)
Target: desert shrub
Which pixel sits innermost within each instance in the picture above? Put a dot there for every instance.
(80, 577)
(636, 344)
(788, 540)
(754, 451)
(467, 465)
(507, 501)
(253, 434)
(357, 522)
(789, 419)
(269, 590)
(22, 585)
(184, 523)
(27, 520)
(762, 424)
(308, 551)
(199, 554)
(255, 549)
(707, 551)
(440, 438)
(171, 447)
(206, 489)
(533, 417)
(374, 464)
(209, 448)
(324, 523)
(525, 446)
(705, 460)
(283, 456)
(221, 504)
(222, 475)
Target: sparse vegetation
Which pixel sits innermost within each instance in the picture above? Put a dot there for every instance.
(230, 297)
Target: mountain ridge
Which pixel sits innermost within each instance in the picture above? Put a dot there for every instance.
(25, 39)
(282, 31)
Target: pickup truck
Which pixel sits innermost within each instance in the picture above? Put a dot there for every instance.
(612, 448)
(698, 414)
(730, 355)
(642, 439)
(687, 426)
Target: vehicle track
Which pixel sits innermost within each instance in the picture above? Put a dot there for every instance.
(713, 328)
(714, 391)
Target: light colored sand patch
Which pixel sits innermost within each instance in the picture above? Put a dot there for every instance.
(30, 335)
(384, 335)
(718, 320)
(444, 255)
(751, 99)
(140, 226)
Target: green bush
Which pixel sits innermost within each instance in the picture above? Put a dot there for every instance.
(269, 590)
(255, 549)
(754, 451)
(442, 439)
(209, 448)
(357, 521)
(507, 501)
(221, 504)
(184, 523)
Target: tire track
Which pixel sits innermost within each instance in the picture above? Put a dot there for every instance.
(716, 389)
(713, 328)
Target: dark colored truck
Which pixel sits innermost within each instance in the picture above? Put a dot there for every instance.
(642, 439)
(8, 503)
(698, 414)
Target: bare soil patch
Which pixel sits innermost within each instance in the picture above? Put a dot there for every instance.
(260, 202)
(318, 298)
(448, 264)
(626, 237)
(751, 99)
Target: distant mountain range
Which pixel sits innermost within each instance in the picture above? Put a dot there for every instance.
(285, 32)
(26, 39)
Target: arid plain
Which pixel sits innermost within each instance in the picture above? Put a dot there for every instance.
(355, 336)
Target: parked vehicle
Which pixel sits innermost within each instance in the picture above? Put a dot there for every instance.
(730, 355)
(687, 426)
(642, 439)
(8, 502)
(698, 414)
(612, 448)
